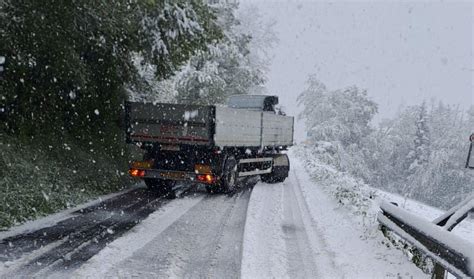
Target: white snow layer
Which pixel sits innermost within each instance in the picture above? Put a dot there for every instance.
(53, 219)
(326, 241)
(141, 235)
(293, 229)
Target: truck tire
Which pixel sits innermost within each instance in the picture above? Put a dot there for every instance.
(280, 170)
(162, 187)
(228, 180)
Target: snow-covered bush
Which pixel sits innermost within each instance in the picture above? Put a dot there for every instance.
(351, 192)
(36, 180)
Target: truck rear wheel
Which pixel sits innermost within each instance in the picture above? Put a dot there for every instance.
(280, 170)
(228, 181)
(161, 186)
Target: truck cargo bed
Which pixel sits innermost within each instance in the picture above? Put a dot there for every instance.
(180, 124)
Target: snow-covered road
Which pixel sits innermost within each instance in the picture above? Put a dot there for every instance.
(287, 230)
(295, 230)
(199, 237)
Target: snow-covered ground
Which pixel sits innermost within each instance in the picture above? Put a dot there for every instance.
(51, 220)
(295, 229)
(302, 228)
(108, 260)
(292, 229)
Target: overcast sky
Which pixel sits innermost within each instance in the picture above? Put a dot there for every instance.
(401, 52)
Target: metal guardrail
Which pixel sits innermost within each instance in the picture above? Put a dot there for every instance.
(449, 252)
(470, 154)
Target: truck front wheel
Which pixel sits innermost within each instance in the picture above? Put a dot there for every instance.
(161, 186)
(280, 170)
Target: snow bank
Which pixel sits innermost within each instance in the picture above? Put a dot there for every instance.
(345, 211)
(298, 229)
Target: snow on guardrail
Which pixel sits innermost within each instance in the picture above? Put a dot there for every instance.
(454, 215)
(453, 253)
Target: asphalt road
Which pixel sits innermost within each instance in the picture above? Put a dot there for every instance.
(205, 240)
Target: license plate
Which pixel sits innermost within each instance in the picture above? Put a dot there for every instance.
(170, 147)
(173, 175)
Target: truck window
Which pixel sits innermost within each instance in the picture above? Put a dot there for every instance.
(255, 102)
(247, 102)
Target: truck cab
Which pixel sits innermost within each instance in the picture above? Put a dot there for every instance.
(254, 102)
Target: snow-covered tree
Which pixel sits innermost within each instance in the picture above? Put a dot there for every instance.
(69, 67)
(69, 60)
(262, 36)
(341, 115)
(392, 142)
(225, 68)
(421, 154)
(338, 124)
(421, 149)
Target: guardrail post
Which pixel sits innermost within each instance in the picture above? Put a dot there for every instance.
(438, 272)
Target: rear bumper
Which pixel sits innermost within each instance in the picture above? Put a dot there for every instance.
(167, 174)
(174, 175)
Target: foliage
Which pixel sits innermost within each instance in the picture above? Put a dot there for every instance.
(67, 57)
(440, 143)
(419, 154)
(38, 181)
(225, 68)
(338, 124)
(69, 67)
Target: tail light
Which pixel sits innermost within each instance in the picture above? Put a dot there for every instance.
(206, 178)
(136, 172)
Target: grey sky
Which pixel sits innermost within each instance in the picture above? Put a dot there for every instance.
(401, 52)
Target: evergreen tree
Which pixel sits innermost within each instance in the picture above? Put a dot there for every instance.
(421, 149)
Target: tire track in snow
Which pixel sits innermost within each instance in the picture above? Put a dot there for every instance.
(323, 256)
(86, 235)
(264, 250)
(301, 263)
(112, 258)
(203, 241)
(282, 239)
(14, 247)
(227, 258)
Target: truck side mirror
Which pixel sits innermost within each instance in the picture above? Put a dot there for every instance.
(470, 156)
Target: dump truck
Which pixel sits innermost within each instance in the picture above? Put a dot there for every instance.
(210, 144)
